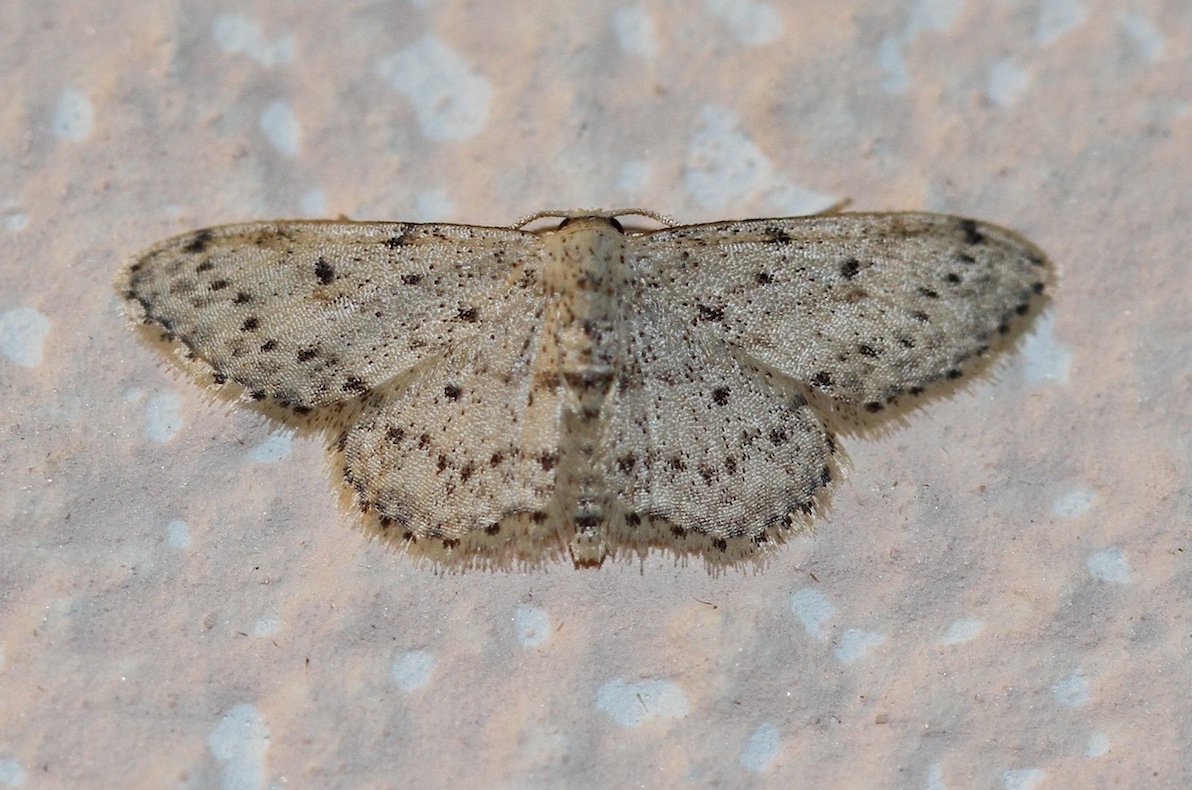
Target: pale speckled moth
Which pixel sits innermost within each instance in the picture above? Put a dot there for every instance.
(501, 396)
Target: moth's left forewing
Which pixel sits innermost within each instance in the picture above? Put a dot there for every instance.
(307, 314)
(863, 308)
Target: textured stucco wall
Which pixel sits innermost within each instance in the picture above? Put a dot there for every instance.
(998, 597)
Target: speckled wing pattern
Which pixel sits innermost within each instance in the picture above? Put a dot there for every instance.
(497, 396)
(310, 314)
(864, 307)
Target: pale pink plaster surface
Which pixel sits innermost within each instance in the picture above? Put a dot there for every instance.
(999, 598)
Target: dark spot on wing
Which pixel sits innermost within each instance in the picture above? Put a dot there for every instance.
(324, 271)
(198, 242)
(972, 233)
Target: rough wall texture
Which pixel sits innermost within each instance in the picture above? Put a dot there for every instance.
(998, 597)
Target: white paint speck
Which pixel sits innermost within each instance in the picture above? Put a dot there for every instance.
(238, 743)
(1147, 41)
(313, 203)
(75, 117)
(1043, 357)
(812, 609)
(532, 625)
(633, 175)
(934, 16)
(451, 102)
(1005, 82)
(761, 748)
(15, 221)
(1023, 779)
(725, 168)
(1072, 690)
(178, 534)
(855, 644)
(23, 332)
(752, 23)
(281, 128)
(276, 446)
(237, 34)
(411, 670)
(266, 626)
(1110, 565)
(628, 704)
(1073, 503)
(634, 28)
(433, 205)
(12, 773)
(935, 778)
(961, 631)
(889, 57)
(1057, 17)
(1097, 746)
(163, 416)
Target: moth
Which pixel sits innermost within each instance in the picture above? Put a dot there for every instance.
(498, 396)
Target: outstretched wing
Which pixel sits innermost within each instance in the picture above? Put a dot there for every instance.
(448, 455)
(310, 313)
(729, 454)
(863, 307)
